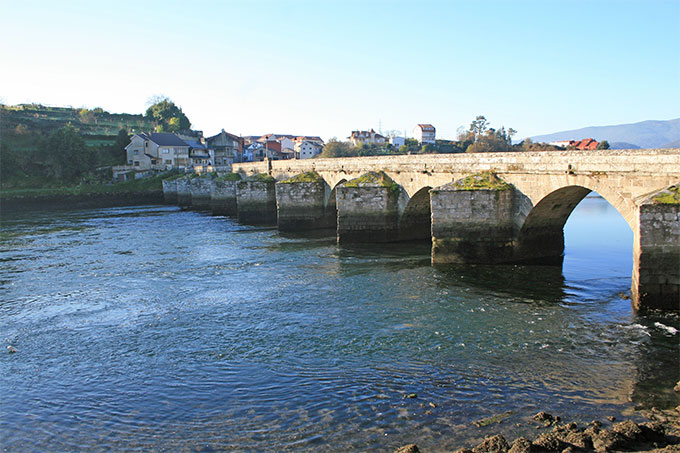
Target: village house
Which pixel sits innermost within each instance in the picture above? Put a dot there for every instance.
(425, 134)
(157, 151)
(397, 141)
(307, 149)
(586, 143)
(227, 148)
(366, 137)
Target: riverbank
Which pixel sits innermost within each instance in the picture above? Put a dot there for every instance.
(141, 191)
(661, 433)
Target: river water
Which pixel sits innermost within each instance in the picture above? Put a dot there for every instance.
(152, 328)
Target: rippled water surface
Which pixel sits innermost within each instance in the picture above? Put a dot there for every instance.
(151, 328)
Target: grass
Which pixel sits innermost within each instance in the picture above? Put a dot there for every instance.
(372, 178)
(230, 177)
(310, 176)
(668, 196)
(486, 180)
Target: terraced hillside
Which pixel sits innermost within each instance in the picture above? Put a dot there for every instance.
(98, 127)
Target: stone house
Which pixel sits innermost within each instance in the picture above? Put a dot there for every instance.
(227, 148)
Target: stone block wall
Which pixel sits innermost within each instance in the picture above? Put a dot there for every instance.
(300, 206)
(256, 202)
(223, 197)
(656, 270)
(367, 214)
(200, 192)
(472, 226)
(170, 191)
(183, 192)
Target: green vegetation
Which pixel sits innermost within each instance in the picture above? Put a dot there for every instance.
(260, 177)
(604, 144)
(310, 176)
(168, 116)
(668, 196)
(229, 177)
(373, 178)
(144, 185)
(481, 138)
(486, 180)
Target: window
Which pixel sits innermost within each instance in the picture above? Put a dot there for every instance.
(168, 161)
(165, 151)
(136, 152)
(136, 163)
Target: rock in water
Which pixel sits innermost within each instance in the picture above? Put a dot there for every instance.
(492, 444)
(411, 448)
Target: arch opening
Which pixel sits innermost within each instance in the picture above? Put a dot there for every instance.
(541, 235)
(415, 222)
(331, 206)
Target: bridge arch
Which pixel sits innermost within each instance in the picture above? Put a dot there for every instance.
(415, 221)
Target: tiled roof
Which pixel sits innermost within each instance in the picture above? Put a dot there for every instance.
(163, 139)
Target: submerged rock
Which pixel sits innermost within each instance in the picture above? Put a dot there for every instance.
(411, 448)
(492, 444)
(607, 440)
(520, 445)
(549, 442)
(543, 417)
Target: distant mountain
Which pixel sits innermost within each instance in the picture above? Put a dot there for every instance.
(646, 134)
(623, 145)
(675, 144)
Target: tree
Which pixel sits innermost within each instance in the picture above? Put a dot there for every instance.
(169, 116)
(604, 144)
(336, 148)
(65, 155)
(117, 150)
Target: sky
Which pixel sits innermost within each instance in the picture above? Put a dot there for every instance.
(329, 67)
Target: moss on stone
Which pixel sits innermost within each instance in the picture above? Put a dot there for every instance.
(372, 179)
(486, 180)
(310, 176)
(257, 177)
(668, 196)
(229, 177)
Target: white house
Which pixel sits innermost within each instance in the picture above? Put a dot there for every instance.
(397, 141)
(157, 151)
(307, 149)
(366, 137)
(424, 133)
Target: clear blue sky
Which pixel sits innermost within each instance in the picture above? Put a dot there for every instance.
(328, 67)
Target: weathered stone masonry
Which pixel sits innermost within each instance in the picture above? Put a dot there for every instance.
(223, 197)
(522, 223)
(301, 205)
(256, 202)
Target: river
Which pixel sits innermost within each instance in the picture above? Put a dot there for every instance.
(152, 328)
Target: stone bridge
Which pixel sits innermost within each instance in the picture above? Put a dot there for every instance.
(484, 208)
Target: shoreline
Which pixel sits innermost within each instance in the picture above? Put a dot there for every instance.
(82, 200)
(661, 433)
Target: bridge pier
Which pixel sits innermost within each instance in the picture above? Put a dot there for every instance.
(256, 200)
(368, 209)
(223, 194)
(170, 190)
(473, 221)
(183, 192)
(199, 186)
(300, 204)
(656, 268)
